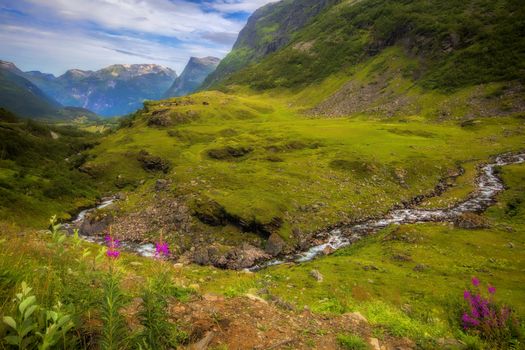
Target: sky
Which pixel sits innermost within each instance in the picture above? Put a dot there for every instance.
(53, 36)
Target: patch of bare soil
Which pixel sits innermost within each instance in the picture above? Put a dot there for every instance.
(252, 323)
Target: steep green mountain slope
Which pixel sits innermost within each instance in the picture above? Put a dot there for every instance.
(270, 28)
(23, 97)
(446, 46)
(38, 170)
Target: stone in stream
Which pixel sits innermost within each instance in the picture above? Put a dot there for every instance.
(275, 244)
(93, 224)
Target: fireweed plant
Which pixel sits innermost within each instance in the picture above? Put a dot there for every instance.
(162, 250)
(114, 331)
(491, 321)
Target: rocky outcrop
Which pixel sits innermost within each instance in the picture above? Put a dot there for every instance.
(166, 214)
(236, 258)
(153, 163)
(212, 213)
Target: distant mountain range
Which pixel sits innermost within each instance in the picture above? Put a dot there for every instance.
(193, 75)
(112, 91)
(116, 90)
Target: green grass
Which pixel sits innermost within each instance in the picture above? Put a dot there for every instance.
(351, 342)
(316, 171)
(397, 300)
(39, 174)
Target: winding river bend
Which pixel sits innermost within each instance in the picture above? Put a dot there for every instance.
(488, 186)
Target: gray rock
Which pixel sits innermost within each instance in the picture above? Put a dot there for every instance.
(161, 185)
(93, 225)
(317, 275)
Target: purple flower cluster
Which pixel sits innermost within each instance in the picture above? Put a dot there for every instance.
(112, 244)
(162, 250)
(484, 316)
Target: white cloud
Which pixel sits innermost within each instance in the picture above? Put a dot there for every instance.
(55, 35)
(160, 17)
(54, 52)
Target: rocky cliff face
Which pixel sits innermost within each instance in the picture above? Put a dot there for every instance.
(270, 28)
(193, 75)
(115, 90)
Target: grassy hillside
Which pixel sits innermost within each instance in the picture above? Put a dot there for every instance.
(251, 163)
(336, 115)
(38, 170)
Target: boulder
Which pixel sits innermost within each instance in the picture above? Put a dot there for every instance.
(420, 268)
(275, 244)
(93, 225)
(243, 257)
(152, 163)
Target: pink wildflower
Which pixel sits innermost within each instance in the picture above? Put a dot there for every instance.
(475, 281)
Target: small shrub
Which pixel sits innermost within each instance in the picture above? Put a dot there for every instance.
(472, 342)
(351, 342)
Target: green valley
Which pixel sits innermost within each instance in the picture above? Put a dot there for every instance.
(351, 176)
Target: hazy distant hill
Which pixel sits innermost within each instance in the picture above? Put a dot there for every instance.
(22, 96)
(193, 75)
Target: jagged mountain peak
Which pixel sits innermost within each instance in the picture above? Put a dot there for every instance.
(9, 66)
(193, 75)
(135, 70)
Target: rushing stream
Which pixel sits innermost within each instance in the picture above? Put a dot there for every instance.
(488, 183)
(144, 249)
